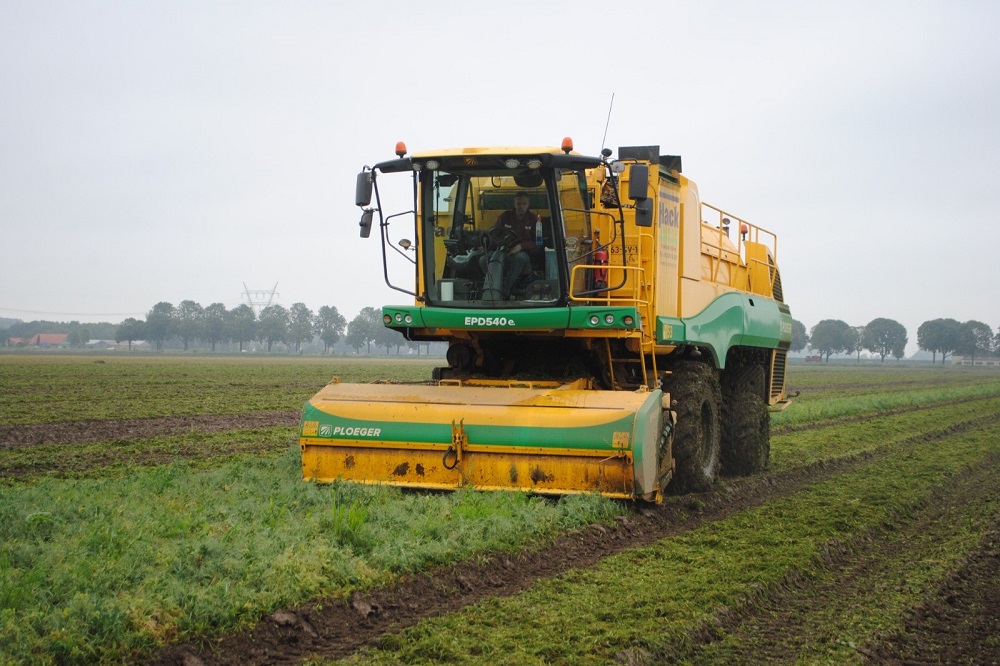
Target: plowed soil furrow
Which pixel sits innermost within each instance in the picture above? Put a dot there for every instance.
(337, 628)
(84, 432)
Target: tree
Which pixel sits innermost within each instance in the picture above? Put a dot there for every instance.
(800, 338)
(189, 319)
(355, 337)
(213, 325)
(78, 335)
(975, 337)
(330, 325)
(300, 325)
(388, 338)
(884, 337)
(273, 325)
(160, 323)
(831, 336)
(364, 328)
(858, 343)
(130, 330)
(241, 324)
(939, 335)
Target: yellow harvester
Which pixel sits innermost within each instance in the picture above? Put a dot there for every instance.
(635, 345)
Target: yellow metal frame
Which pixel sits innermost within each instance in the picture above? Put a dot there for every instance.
(441, 467)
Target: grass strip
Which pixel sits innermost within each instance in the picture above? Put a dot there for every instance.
(650, 602)
(108, 569)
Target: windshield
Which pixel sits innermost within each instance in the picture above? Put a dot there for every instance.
(502, 239)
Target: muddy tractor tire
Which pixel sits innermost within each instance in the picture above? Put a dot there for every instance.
(695, 388)
(746, 422)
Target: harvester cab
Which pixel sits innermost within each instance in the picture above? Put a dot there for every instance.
(604, 335)
(478, 210)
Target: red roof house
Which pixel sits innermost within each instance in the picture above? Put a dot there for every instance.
(48, 340)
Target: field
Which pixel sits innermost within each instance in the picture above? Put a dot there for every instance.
(152, 511)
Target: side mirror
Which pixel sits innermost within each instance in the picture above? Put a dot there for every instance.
(644, 213)
(638, 182)
(363, 190)
(366, 222)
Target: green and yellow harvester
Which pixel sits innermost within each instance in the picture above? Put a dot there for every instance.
(638, 353)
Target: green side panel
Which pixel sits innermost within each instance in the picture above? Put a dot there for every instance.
(576, 317)
(733, 319)
(596, 437)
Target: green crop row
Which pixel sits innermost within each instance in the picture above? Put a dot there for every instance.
(823, 407)
(834, 378)
(869, 432)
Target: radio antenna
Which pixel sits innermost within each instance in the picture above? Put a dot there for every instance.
(608, 122)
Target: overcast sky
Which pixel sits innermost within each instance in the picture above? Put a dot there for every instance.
(164, 151)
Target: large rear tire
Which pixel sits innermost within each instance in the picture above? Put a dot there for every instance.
(695, 387)
(746, 422)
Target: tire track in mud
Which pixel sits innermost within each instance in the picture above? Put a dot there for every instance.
(335, 628)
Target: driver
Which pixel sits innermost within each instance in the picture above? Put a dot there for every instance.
(517, 261)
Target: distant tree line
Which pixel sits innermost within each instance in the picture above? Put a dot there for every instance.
(188, 325)
(295, 327)
(78, 334)
(887, 337)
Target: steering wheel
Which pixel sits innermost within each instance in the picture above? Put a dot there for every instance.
(502, 238)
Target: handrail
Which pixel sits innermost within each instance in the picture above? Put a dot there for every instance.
(746, 232)
(758, 234)
(607, 298)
